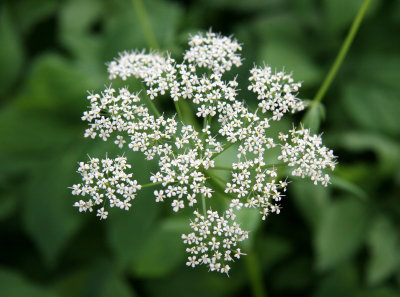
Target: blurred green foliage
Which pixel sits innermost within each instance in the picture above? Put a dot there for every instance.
(343, 240)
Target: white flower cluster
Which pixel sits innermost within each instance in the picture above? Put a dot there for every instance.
(185, 155)
(105, 179)
(182, 174)
(308, 155)
(214, 241)
(277, 92)
(130, 119)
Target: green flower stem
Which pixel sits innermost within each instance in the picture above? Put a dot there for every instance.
(223, 150)
(342, 53)
(150, 185)
(178, 111)
(203, 202)
(263, 167)
(221, 168)
(255, 274)
(150, 102)
(145, 23)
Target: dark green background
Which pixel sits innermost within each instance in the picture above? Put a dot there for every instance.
(337, 241)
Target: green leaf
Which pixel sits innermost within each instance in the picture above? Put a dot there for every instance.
(197, 282)
(288, 56)
(124, 31)
(340, 13)
(343, 281)
(48, 215)
(76, 19)
(340, 233)
(386, 149)
(162, 252)
(294, 276)
(272, 249)
(14, 285)
(372, 107)
(314, 115)
(56, 85)
(384, 244)
(23, 133)
(129, 231)
(101, 279)
(378, 292)
(11, 52)
(345, 185)
(8, 204)
(311, 201)
(29, 13)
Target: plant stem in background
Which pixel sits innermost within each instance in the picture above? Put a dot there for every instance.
(342, 53)
(150, 102)
(255, 274)
(145, 23)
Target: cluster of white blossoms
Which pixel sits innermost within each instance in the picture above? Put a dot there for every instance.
(187, 174)
(104, 180)
(306, 153)
(214, 240)
(277, 91)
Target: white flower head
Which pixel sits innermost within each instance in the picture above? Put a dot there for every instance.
(185, 152)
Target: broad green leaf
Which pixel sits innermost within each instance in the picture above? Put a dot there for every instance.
(343, 281)
(76, 20)
(100, 279)
(105, 281)
(311, 201)
(345, 185)
(271, 250)
(286, 55)
(128, 232)
(378, 69)
(77, 16)
(24, 133)
(11, 52)
(294, 276)
(56, 85)
(125, 32)
(48, 215)
(340, 232)
(249, 220)
(384, 244)
(373, 107)
(8, 204)
(248, 6)
(162, 252)
(198, 282)
(14, 285)
(314, 115)
(277, 28)
(386, 149)
(378, 292)
(29, 13)
(340, 13)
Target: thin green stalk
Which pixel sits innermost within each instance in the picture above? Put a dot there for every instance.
(178, 111)
(150, 102)
(145, 23)
(223, 150)
(151, 185)
(255, 274)
(342, 53)
(221, 168)
(263, 167)
(203, 202)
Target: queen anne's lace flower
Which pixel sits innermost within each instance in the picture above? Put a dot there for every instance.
(105, 181)
(214, 241)
(185, 155)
